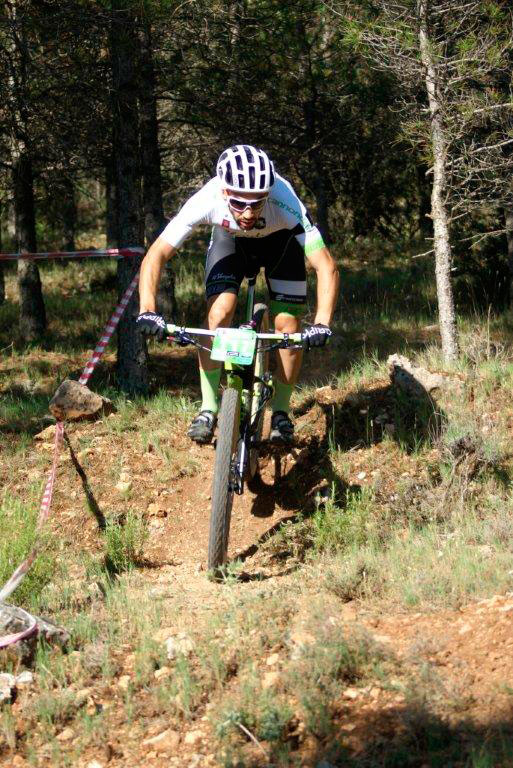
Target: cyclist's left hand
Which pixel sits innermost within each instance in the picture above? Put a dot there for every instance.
(315, 335)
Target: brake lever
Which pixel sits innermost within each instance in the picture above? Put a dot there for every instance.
(180, 338)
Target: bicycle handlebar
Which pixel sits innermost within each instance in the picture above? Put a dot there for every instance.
(294, 338)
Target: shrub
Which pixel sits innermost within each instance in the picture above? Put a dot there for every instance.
(124, 542)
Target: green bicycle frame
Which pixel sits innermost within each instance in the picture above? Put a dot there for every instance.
(234, 372)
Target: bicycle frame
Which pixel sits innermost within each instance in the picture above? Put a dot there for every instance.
(241, 378)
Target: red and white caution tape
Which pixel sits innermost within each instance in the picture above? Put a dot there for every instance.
(44, 509)
(30, 630)
(101, 253)
(108, 331)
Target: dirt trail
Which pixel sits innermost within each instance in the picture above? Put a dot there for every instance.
(174, 495)
(467, 653)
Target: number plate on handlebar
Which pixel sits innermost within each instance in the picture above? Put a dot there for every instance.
(235, 345)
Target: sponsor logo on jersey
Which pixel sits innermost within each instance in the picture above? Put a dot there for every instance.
(225, 224)
(302, 219)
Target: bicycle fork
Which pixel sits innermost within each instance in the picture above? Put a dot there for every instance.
(247, 430)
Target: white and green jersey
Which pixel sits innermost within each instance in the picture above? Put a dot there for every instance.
(283, 210)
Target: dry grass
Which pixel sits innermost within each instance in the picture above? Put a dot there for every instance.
(418, 519)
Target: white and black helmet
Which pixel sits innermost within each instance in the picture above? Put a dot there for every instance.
(245, 169)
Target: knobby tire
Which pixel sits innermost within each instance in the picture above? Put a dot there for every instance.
(261, 366)
(222, 494)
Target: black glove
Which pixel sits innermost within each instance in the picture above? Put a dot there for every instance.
(315, 335)
(152, 324)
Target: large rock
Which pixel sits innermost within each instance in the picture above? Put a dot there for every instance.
(76, 401)
(411, 378)
(14, 620)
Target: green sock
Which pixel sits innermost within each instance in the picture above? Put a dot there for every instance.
(209, 381)
(282, 395)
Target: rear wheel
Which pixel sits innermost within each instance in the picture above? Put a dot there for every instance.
(261, 321)
(222, 483)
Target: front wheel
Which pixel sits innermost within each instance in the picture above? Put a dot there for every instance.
(222, 482)
(261, 322)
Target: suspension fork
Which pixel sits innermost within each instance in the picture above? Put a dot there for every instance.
(234, 380)
(236, 376)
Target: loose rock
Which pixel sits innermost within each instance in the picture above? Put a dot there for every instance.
(192, 738)
(411, 378)
(13, 620)
(123, 486)
(124, 682)
(76, 401)
(25, 678)
(181, 644)
(167, 741)
(7, 687)
(161, 673)
(271, 680)
(46, 434)
(66, 735)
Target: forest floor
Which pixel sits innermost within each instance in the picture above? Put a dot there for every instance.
(366, 615)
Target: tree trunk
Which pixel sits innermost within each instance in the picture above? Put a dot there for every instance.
(2, 276)
(132, 356)
(32, 322)
(32, 308)
(111, 203)
(442, 244)
(69, 216)
(424, 204)
(508, 215)
(153, 208)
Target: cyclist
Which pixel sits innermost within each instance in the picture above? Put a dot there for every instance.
(257, 221)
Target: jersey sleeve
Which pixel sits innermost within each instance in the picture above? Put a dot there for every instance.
(196, 211)
(295, 216)
(310, 238)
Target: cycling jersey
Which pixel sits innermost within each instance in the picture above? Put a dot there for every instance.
(282, 211)
(281, 237)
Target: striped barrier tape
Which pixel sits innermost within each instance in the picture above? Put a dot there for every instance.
(101, 253)
(24, 634)
(108, 331)
(44, 509)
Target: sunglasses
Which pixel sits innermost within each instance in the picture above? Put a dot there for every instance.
(241, 205)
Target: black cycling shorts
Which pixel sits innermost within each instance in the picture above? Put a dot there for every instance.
(229, 261)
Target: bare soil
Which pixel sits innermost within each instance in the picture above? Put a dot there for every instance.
(462, 660)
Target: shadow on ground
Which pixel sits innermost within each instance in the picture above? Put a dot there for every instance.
(407, 737)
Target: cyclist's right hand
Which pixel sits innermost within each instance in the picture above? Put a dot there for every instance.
(152, 324)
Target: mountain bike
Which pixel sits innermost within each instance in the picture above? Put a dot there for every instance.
(244, 352)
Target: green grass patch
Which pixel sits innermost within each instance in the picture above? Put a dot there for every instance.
(124, 542)
(17, 538)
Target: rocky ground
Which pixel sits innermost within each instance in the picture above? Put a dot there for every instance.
(445, 674)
